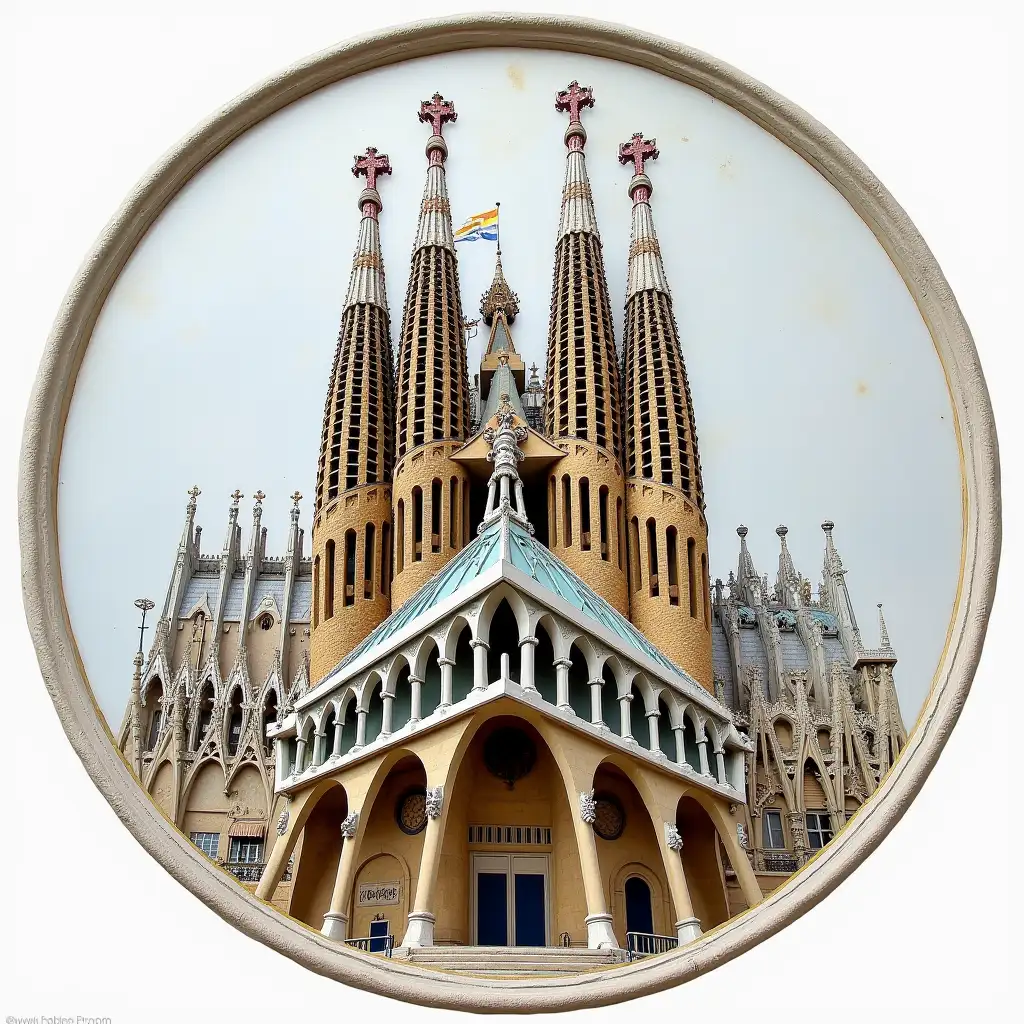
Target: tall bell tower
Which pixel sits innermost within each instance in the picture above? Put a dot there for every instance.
(352, 513)
(581, 391)
(669, 598)
(433, 417)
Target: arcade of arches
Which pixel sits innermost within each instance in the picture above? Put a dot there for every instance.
(478, 833)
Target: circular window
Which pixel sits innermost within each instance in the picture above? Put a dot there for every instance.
(411, 811)
(509, 754)
(609, 816)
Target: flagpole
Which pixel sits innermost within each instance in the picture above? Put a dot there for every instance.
(497, 225)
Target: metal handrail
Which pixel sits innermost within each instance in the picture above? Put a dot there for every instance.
(364, 943)
(648, 944)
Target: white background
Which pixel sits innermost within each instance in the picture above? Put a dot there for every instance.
(922, 926)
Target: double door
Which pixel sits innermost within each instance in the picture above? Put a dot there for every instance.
(510, 897)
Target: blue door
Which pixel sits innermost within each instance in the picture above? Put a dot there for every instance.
(639, 917)
(378, 936)
(491, 908)
(529, 892)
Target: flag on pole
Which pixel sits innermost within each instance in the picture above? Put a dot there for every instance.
(480, 225)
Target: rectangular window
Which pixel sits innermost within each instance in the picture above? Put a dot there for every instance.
(208, 842)
(245, 850)
(819, 829)
(772, 837)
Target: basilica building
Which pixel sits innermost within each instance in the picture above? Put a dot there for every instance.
(499, 702)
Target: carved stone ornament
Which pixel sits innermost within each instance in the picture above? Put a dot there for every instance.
(673, 840)
(435, 801)
(282, 823)
(588, 807)
(349, 825)
(741, 834)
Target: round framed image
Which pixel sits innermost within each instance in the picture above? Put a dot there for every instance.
(411, 811)
(516, 560)
(609, 816)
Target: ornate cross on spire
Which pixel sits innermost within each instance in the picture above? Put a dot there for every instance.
(638, 150)
(372, 164)
(236, 496)
(438, 111)
(192, 493)
(296, 498)
(572, 98)
(259, 496)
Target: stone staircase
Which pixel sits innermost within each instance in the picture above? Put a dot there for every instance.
(510, 961)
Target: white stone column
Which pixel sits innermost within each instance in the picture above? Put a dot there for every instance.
(446, 681)
(480, 649)
(527, 672)
(625, 727)
(300, 755)
(336, 749)
(416, 686)
(562, 667)
(281, 760)
(360, 729)
(596, 715)
(388, 700)
(680, 745)
(720, 760)
(702, 746)
(652, 726)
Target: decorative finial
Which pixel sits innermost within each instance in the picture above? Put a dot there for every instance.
(499, 297)
(370, 165)
(437, 111)
(782, 531)
(828, 526)
(296, 498)
(145, 605)
(236, 497)
(573, 98)
(193, 493)
(637, 151)
(259, 496)
(741, 531)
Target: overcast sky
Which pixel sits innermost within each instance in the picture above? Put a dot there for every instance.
(816, 387)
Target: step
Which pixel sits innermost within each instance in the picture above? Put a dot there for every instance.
(507, 961)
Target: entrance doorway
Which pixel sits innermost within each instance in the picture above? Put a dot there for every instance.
(510, 899)
(639, 913)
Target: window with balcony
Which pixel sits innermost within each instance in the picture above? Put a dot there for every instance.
(819, 829)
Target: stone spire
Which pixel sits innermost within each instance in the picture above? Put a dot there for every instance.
(499, 297)
(661, 435)
(746, 574)
(834, 583)
(670, 601)
(505, 498)
(883, 632)
(432, 399)
(366, 285)
(582, 389)
(352, 504)
(788, 578)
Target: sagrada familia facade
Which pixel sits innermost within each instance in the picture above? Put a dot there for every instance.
(499, 700)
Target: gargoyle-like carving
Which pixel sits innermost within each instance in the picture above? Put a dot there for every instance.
(588, 807)
(673, 840)
(349, 825)
(434, 801)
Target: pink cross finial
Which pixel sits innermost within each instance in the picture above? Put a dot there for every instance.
(572, 98)
(438, 111)
(371, 165)
(638, 150)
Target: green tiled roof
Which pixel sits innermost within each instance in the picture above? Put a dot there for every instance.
(530, 557)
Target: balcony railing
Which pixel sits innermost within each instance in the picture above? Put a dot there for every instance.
(639, 944)
(776, 860)
(373, 944)
(252, 873)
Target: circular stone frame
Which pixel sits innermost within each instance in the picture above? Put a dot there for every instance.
(47, 613)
